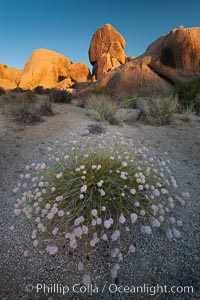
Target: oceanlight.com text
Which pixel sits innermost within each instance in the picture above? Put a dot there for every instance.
(107, 288)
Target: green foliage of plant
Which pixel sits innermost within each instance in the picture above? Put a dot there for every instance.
(60, 96)
(188, 94)
(128, 102)
(92, 195)
(157, 111)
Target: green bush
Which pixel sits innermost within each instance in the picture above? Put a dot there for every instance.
(188, 94)
(60, 96)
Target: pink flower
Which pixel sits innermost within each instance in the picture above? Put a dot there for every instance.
(156, 193)
(84, 188)
(85, 229)
(107, 224)
(155, 223)
(133, 191)
(50, 216)
(86, 279)
(104, 237)
(26, 253)
(115, 235)
(103, 208)
(78, 231)
(17, 212)
(54, 210)
(52, 249)
(131, 249)
(55, 230)
(59, 175)
(122, 219)
(93, 212)
(102, 192)
(61, 213)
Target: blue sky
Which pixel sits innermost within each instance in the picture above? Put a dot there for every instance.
(68, 26)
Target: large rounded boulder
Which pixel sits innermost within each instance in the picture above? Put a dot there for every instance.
(44, 68)
(106, 41)
(176, 56)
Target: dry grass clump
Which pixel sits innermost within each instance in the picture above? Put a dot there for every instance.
(157, 111)
(102, 108)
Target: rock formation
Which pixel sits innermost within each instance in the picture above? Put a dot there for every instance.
(134, 78)
(176, 56)
(9, 77)
(48, 69)
(106, 50)
(44, 68)
(172, 58)
(80, 72)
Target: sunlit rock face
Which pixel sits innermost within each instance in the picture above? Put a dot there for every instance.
(171, 59)
(9, 77)
(106, 50)
(48, 68)
(44, 68)
(176, 55)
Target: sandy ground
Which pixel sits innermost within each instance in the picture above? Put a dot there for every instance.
(22, 144)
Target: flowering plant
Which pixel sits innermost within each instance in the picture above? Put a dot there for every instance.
(95, 193)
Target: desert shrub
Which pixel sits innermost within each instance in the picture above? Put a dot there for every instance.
(95, 196)
(18, 90)
(45, 108)
(23, 109)
(128, 102)
(100, 91)
(188, 94)
(30, 96)
(2, 91)
(102, 108)
(157, 111)
(39, 90)
(60, 96)
(91, 90)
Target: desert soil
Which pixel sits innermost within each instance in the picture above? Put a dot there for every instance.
(158, 262)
